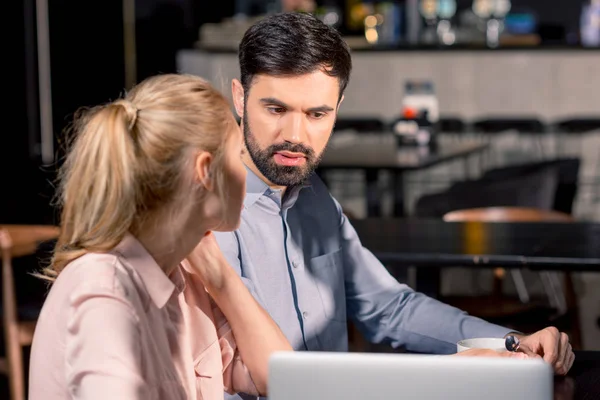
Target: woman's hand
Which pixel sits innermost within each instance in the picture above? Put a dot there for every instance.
(256, 334)
(209, 264)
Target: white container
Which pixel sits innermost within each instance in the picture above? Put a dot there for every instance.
(421, 96)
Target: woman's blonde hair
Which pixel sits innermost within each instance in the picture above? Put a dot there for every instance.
(128, 159)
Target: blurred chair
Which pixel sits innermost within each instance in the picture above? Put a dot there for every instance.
(534, 188)
(575, 128)
(360, 124)
(567, 179)
(452, 125)
(578, 125)
(521, 314)
(502, 124)
(18, 323)
(524, 126)
(350, 182)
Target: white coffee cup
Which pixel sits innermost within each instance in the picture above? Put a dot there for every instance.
(481, 343)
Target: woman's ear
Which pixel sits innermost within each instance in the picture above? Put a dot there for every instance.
(203, 170)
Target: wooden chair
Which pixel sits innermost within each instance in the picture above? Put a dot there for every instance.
(17, 241)
(497, 306)
(506, 214)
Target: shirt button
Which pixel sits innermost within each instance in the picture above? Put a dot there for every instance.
(295, 264)
(305, 314)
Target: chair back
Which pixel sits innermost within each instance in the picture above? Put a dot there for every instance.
(17, 241)
(501, 124)
(534, 189)
(360, 124)
(452, 125)
(578, 125)
(568, 178)
(10, 322)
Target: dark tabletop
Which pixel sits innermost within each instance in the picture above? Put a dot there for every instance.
(430, 242)
(379, 150)
(583, 380)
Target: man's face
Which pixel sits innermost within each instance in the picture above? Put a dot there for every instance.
(287, 123)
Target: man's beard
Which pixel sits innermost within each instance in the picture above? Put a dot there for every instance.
(280, 175)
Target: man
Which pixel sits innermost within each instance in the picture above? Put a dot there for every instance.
(295, 249)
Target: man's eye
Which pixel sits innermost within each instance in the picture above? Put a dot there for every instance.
(276, 110)
(318, 115)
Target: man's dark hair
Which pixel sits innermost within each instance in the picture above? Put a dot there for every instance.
(292, 44)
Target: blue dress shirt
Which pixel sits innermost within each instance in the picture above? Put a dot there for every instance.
(302, 260)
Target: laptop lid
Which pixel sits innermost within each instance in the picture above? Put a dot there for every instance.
(327, 375)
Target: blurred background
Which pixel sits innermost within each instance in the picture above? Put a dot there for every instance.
(525, 58)
(479, 101)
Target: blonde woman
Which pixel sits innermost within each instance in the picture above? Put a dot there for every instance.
(147, 179)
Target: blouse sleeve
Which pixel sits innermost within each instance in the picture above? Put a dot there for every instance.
(236, 376)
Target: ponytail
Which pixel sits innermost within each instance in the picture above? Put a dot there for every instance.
(98, 185)
(129, 161)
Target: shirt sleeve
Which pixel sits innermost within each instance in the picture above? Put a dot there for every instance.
(387, 311)
(103, 354)
(229, 246)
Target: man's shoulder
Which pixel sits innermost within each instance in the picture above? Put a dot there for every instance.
(318, 186)
(316, 200)
(316, 191)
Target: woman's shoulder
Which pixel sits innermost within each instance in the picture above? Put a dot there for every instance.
(94, 274)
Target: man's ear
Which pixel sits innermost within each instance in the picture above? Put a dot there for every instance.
(203, 170)
(339, 104)
(237, 93)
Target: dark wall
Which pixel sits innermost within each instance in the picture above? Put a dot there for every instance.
(86, 54)
(165, 26)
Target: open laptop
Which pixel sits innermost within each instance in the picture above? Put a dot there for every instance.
(367, 376)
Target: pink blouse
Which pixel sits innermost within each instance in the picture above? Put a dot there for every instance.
(114, 326)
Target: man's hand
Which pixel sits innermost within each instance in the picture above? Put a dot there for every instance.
(553, 346)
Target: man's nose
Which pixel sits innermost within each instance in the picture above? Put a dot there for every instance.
(294, 129)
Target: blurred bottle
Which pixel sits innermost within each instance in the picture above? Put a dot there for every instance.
(356, 12)
(418, 124)
(590, 24)
(330, 14)
(392, 26)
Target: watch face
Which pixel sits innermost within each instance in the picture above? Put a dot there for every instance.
(446, 8)
(428, 8)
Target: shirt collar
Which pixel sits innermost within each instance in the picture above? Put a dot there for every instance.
(158, 285)
(256, 187)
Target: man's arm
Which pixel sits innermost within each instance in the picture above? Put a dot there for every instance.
(387, 311)
(229, 245)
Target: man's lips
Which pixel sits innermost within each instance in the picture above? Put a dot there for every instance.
(289, 159)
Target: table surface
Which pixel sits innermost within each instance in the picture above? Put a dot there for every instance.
(435, 243)
(582, 381)
(379, 151)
